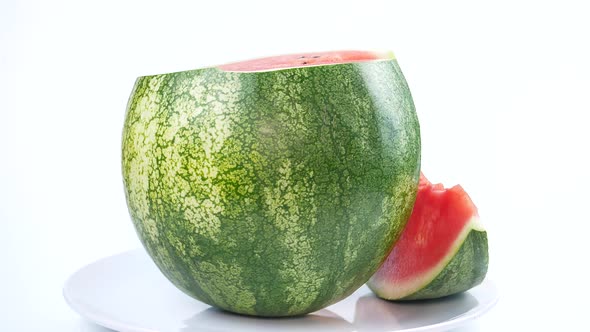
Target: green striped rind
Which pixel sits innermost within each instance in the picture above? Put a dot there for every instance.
(272, 193)
(466, 270)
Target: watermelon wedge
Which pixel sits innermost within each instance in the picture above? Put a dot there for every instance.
(442, 251)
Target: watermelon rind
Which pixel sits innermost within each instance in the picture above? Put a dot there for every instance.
(467, 269)
(271, 193)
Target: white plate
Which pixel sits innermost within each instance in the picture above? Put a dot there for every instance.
(128, 293)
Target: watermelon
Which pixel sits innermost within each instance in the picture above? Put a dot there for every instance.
(442, 251)
(272, 187)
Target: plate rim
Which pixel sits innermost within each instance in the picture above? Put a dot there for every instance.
(121, 326)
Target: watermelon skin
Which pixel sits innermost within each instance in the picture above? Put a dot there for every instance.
(467, 269)
(271, 193)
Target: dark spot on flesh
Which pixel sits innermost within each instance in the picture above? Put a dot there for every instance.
(315, 56)
(304, 62)
(302, 57)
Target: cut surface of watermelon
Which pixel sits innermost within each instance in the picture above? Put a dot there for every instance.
(305, 59)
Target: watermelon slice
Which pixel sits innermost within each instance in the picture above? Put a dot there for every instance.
(442, 251)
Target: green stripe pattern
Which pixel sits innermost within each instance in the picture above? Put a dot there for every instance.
(271, 193)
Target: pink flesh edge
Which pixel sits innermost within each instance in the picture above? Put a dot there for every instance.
(303, 60)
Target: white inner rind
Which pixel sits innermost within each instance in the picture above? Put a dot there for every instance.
(400, 290)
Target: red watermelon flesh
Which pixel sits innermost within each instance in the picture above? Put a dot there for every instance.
(304, 59)
(440, 222)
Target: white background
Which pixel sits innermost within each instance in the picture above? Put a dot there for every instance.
(502, 92)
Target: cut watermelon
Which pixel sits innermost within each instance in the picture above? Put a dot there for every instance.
(272, 187)
(442, 251)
